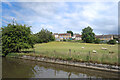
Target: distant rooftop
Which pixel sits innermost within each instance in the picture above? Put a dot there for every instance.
(62, 33)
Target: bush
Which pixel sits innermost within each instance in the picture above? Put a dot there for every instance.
(112, 41)
(69, 40)
(97, 41)
(44, 36)
(69, 58)
(16, 37)
(81, 41)
(64, 39)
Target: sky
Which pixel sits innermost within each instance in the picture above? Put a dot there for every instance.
(59, 17)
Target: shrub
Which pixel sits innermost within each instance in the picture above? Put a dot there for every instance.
(16, 37)
(97, 41)
(69, 58)
(112, 41)
(81, 41)
(64, 39)
(44, 36)
(69, 40)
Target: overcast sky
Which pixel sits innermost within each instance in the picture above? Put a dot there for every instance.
(59, 17)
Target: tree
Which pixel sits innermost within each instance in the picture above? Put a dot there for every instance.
(97, 41)
(44, 36)
(88, 35)
(70, 32)
(16, 37)
(112, 41)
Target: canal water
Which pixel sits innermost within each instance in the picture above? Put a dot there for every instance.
(19, 68)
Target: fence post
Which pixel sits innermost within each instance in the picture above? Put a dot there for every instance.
(102, 58)
(34, 50)
(54, 53)
(70, 52)
(89, 58)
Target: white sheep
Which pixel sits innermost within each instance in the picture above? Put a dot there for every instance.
(94, 51)
(104, 48)
(82, 47)
(112, 45)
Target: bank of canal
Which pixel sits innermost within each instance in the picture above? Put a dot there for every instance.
(20, 68)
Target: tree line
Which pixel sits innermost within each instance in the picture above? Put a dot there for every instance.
(43, 36)
(88, 36)
(17, 36)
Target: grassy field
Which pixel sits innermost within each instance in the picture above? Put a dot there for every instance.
(74, 51)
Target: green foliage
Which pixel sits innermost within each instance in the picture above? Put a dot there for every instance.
(64, 39)
(68, 58)
(78, 41)
(44, 36)
(87, 58)
(16, 37)
(112, 41)
(97, 41)
(69, 40)
(87, 35)
(70, 32)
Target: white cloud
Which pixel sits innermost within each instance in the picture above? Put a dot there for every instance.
(63, 16)
(46, 26)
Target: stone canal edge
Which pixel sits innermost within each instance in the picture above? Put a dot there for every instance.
(101, 67)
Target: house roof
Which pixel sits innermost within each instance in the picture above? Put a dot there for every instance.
(55, 33)
(115, 36)
(62, 34)
(65, 34)
(78, 35)
(103, 36)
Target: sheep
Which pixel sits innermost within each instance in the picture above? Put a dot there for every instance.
(104, 48)
(112, 45)
(82, 47)
(94, 51)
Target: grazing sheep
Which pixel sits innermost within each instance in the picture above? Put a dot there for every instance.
(94, 51)
(82, 47)
(104, 48)
(112, 45)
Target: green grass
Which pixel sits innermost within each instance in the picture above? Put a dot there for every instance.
(61, 50)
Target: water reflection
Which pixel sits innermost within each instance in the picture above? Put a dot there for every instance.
(18, 68)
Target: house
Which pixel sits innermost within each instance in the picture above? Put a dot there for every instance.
(105, 37)
(116, 37)
(62, 36)
(78, 37)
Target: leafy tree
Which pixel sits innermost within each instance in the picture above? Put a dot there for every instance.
(70, 32)
(97, 41)
(112, 41)
(44, 36)
(88, 35)
(16, 37)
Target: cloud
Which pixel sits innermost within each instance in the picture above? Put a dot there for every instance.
(63, 16)
(8, 3)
